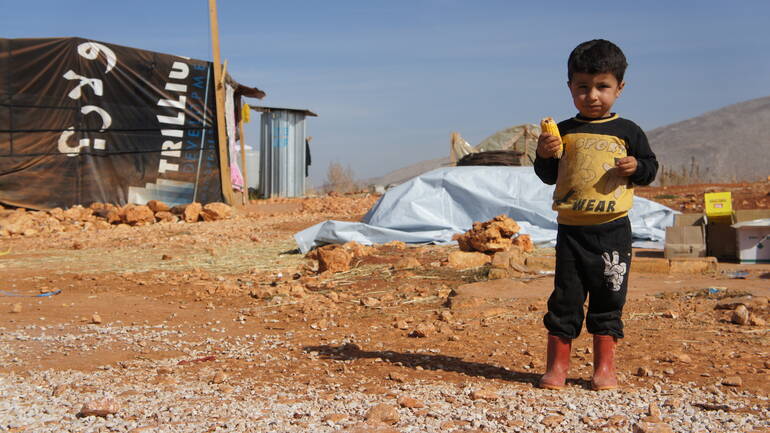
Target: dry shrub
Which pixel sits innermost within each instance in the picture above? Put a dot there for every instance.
(684, 175)
(340, 179)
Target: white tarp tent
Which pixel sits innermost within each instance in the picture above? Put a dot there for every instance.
(432, 207)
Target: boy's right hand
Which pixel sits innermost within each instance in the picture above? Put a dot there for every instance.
(548, 145)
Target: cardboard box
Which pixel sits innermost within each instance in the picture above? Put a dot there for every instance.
(722, 238)
(753, 241)
(686, 238)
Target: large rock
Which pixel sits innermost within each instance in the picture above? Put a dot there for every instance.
(507, 264)
(490, 236)
(216, 211)
(467, 260)
(189, 212)
(166, 217)
(333, 258)
(158, 206)
(138, 215)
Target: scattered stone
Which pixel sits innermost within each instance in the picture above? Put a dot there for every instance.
(333, 258)
(16, 308)
(334, 417)
(732, 381)
(219, 377)
(755, 320)
(673, 403)
(101, 407)
(216, 211)
(552, 420)
(684, 358)
(671, 314)
(647, 427)
(616, 421)
(370, 302)
(358, 250)
(643, 372)
(668, 371)
(59, 390)
(445, 316)
(395, 244)
(96, 319)
(467, 260)
(383, 413)
(401, 324)
(370, 428)
(410, 402)
(654, 411)
(740, 315)
(397, 377)
(483, 394)
(423, 330)
(407, 263)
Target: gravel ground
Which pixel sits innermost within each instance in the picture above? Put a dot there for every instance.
(162, 396)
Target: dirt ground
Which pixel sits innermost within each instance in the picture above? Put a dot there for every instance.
(355, 328)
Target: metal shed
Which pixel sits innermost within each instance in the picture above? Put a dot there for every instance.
(283, 149)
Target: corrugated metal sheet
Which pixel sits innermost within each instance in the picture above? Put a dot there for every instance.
(282, 153)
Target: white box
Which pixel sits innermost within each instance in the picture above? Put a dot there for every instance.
(753, 239)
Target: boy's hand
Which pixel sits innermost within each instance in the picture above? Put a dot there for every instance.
(548, 145)
(626, 166)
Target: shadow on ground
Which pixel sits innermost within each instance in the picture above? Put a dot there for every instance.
(348, 352)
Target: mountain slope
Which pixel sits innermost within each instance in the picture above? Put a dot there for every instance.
(728, 144)
(731, 143)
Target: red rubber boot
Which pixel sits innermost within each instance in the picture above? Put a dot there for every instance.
(557, 363)
(604, 363)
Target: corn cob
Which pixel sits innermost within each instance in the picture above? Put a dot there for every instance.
(548, 126)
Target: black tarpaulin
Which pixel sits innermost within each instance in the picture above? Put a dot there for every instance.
(84, 121)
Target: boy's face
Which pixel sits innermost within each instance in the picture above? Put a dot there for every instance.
(594, 94)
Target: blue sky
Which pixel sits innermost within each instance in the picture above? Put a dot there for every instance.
(391, 79)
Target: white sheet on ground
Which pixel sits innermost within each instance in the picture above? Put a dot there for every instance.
(434, 206)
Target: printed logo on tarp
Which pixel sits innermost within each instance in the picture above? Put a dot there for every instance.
(89, 51)
(185, 136)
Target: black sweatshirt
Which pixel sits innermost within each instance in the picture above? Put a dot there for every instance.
(588, 191)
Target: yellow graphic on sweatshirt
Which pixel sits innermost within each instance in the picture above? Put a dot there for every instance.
(588, 188)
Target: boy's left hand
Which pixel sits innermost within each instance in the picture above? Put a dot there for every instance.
(626, 166)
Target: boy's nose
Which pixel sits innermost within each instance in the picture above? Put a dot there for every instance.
(593, 94)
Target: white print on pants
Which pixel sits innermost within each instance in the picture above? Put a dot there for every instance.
(614, 270)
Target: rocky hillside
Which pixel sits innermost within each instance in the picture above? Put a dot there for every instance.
(728, 144)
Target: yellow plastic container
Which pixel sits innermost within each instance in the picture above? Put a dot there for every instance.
(719, 206)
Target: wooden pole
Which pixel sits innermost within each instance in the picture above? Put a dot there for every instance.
(219, 91)
(243, 163)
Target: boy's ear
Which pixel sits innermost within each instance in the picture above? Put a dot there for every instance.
(620, 87)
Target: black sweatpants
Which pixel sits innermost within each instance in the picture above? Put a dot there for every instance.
(591, 261)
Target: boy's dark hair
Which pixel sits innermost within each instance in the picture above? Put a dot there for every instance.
(598, 56)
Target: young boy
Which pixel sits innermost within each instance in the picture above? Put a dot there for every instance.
(604, 157)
